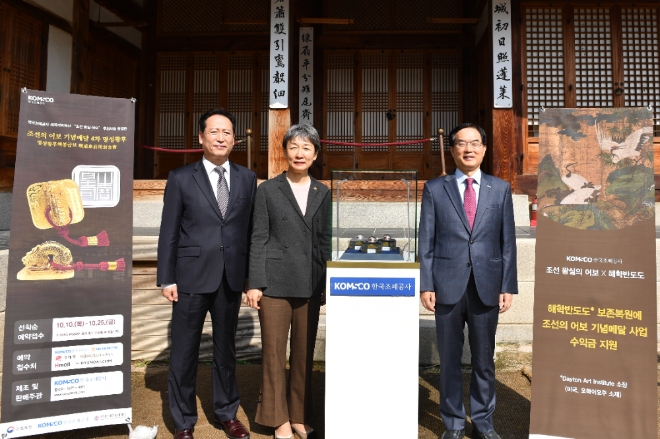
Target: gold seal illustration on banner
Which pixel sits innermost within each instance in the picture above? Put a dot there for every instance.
(52, 260)
(38, 262)
(60, 200)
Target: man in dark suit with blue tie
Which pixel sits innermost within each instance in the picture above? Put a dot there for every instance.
(202, 267)
(467, 251)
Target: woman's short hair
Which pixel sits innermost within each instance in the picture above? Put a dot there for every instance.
(303, 131)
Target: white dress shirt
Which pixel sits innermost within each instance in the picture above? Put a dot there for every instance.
(214, 176)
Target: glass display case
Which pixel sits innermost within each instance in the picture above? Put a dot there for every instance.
(374, 215)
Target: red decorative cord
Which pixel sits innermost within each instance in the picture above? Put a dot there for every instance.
(179, 151)
(367, 145)
(100, 240)
(118, 265)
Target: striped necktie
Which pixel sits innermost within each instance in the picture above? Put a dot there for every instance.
(223, 190)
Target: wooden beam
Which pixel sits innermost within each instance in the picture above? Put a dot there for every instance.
(391, 41)
(320, 20)
(80, 58)
(438, 20)
(245, 22)
(126, 10)
(120, 23)
(106, 35)
(210, 43)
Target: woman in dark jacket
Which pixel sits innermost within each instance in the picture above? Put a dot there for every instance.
(289, 248)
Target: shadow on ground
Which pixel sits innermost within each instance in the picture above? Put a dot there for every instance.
(149, 386)
(511, 414)
(150, 406)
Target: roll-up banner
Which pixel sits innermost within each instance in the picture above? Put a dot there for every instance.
(67, 339)
(595, 342)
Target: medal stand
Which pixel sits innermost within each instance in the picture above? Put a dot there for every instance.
(372, 312)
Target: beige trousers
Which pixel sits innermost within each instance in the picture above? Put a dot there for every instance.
(279, 403)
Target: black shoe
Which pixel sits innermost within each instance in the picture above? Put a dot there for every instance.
(184, 434)
(488, 435)
(453, 434)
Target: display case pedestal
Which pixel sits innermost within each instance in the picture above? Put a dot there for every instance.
(372, 350)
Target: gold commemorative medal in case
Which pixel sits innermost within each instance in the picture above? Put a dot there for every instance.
(373, 245)
(389, 243)
(356, 243)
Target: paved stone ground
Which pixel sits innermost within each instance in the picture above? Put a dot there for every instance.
(150, 402)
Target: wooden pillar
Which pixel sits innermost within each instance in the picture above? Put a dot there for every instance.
(80, 58)
(504, 144)
(506, 140)
(279, 121)
(147, 94)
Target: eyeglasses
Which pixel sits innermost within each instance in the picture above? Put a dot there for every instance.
(216, 133)
(475, 144)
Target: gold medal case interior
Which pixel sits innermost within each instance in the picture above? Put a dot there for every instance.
(374, 215)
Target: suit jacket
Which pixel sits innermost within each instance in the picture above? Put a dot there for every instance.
(449, 250)
(197, 245)
(288, 250)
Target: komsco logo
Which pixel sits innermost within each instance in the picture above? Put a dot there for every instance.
(62, 382)
(343, 286)
(372, 286)
(40, 99)
(49, 424)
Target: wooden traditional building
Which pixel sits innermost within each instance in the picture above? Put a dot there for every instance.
(385, 71)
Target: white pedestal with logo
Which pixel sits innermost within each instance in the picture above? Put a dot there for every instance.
(372, 350)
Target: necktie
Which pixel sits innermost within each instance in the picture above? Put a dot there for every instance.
(470, 202)
(223, 190)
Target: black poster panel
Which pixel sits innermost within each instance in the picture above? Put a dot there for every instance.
(67, 344)
(595, 341)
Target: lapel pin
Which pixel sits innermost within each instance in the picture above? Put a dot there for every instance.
(488, 185)
(315, 188)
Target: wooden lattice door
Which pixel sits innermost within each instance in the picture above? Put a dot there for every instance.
(589, 56)
(387, 96)
(374, 103)
(192, 83)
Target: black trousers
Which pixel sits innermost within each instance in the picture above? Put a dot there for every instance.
(188, 316)
(482, 323)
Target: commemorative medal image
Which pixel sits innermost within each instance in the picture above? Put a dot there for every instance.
(38, 262)
(389, 243)
(58, 204)
(356, 243)
(52, 260)
(372, 245)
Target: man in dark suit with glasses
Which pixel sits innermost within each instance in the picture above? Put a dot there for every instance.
(467, 252)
